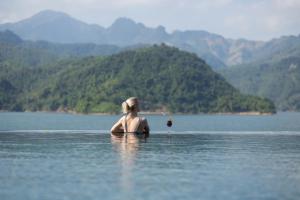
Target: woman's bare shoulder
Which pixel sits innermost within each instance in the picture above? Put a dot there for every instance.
(122, 118)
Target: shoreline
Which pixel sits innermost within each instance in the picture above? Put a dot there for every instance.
(250, 113)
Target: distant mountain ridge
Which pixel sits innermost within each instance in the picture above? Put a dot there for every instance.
(59, 27)
(216, 50)
(55, 26)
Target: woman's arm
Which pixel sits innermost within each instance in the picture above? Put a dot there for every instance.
(117, 128)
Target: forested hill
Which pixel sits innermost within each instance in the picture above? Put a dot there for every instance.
(163, 77)
(277, 79)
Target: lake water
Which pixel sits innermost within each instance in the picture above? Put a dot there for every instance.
(52, 156)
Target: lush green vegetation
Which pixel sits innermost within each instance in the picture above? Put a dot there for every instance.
(277, 79)
(163, 77)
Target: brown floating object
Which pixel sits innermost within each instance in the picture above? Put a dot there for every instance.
(169, 123)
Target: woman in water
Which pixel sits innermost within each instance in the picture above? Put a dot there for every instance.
(131, 124)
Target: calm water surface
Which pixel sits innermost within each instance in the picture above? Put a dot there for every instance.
(61, 156)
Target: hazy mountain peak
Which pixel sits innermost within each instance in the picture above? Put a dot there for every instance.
(124, 22)
(47, 16)
(50, 14)
(55, 26)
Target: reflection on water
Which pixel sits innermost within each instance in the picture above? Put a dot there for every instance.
(75, 166)
(127, 147)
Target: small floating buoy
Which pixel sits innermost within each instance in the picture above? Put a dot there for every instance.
(169, 123)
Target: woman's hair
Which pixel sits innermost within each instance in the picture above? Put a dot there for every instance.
(130, 105)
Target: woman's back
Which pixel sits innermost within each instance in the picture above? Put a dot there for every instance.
(131, 122)
(134, 124)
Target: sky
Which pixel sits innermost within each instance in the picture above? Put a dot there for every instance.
(249, 19)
